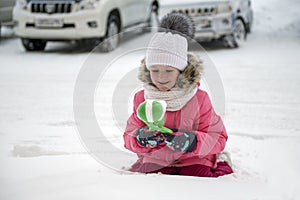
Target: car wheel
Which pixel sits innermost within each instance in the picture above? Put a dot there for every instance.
(34, 44)
(112, 38)
(238, 36)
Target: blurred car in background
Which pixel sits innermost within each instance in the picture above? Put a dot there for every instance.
(227, 20)
(6, 8)
(40, 21)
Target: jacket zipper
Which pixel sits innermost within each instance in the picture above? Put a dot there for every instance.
(175, 120)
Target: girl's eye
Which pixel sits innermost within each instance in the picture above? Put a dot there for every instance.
(154, 70)
(169, 70)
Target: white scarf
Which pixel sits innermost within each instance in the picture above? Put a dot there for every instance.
(176, 98)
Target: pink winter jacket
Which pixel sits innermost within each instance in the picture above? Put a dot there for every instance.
(197, 116)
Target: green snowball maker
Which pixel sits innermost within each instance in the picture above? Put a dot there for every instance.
(152, 112)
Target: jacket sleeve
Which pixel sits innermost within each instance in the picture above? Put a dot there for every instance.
(210, 131)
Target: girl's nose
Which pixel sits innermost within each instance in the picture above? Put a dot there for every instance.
(162, 75)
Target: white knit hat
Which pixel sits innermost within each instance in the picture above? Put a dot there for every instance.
(167, 49)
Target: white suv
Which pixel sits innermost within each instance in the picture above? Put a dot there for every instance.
(229, 20)
(39, 21)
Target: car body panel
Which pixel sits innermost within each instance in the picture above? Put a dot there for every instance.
(74, 24)
(213, 19)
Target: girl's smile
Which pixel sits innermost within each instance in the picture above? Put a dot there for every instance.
(163, 83)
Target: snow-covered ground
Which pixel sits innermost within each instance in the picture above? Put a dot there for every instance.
(42, 157)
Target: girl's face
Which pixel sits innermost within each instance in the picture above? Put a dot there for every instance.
(164, 77)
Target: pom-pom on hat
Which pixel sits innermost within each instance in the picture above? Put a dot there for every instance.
(170, 47)
(178, 23)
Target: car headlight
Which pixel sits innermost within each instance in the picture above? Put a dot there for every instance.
(21, 4)
(224, 8)
(88, 4)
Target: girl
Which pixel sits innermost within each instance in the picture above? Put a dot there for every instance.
(172, 74)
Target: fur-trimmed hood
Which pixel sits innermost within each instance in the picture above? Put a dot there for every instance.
(188, 78)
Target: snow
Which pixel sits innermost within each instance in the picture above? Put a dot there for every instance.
(42, 155)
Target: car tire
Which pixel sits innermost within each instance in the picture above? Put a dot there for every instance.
(112, 37)
(33, 44)
(238, 36)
